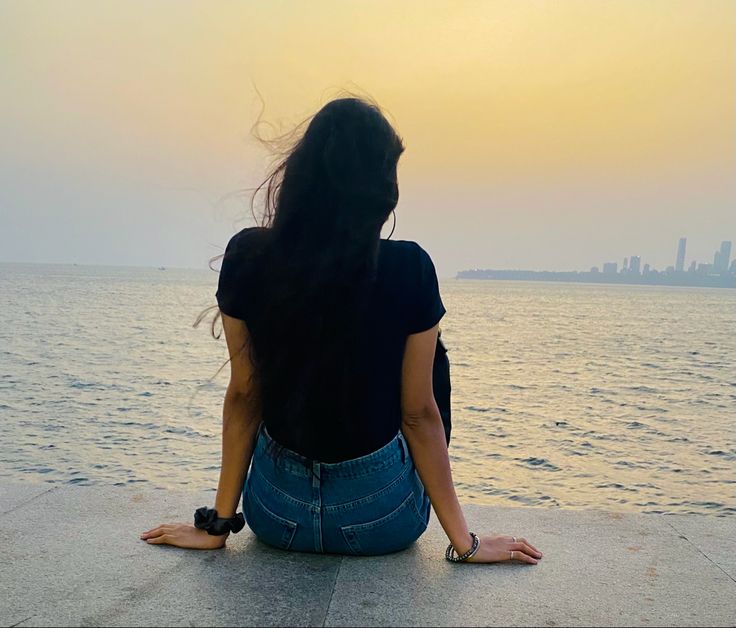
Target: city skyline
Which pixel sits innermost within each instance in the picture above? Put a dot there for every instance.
(721, 273)
(636, 264)
(721, 264)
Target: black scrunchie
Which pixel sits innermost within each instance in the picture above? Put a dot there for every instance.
(206, 519)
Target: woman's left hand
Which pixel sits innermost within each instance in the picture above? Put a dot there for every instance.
(184, 535)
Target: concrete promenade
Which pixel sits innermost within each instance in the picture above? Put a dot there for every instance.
(71, 556)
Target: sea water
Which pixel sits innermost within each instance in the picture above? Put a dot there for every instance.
(564, 395)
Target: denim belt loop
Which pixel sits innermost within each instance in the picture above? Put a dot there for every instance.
(404, 448)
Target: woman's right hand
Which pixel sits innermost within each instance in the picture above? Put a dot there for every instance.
(502, 547)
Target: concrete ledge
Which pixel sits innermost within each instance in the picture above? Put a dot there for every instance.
(72, 557)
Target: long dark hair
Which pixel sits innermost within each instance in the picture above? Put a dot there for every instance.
(325, 203)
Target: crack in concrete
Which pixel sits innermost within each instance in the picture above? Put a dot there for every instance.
(28, 501)
(332, 593)
(683, 536)
(21, 621)
(146, 589)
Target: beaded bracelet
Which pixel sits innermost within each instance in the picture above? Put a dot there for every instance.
(450, 552)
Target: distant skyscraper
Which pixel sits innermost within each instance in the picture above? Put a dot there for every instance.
(717, 262)
(634, 264)
(725, 255)
(693, 266)
(610, 268)
(647, 268)
(680, 265)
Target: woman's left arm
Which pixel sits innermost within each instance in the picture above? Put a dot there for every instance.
(240, 421)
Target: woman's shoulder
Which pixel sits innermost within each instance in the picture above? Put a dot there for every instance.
(245, 239)
(411, 275)
(238, 275)
(405, 253)
(405, 247)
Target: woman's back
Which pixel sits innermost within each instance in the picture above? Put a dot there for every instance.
(332, 334)
(365, 413)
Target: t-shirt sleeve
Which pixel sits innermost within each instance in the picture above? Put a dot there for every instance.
(231, 288)
(426, 308)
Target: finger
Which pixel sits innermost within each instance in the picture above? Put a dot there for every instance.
(158, 540)
(151, 530)
(170, 527)
(156, 533)
(522, 557)
(523, 547)
(523, 540)
(163, 526)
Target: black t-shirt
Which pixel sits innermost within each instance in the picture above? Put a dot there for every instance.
(406, 300)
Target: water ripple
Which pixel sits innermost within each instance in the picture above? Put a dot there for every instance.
(564, 395)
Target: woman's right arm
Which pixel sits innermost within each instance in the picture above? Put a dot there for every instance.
(423, 430)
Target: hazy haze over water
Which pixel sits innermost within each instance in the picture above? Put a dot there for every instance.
(615, 397)
(540, 135)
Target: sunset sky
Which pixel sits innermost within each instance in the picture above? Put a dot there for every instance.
(541, 135)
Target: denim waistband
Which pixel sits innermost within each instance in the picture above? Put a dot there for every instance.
(393, 452)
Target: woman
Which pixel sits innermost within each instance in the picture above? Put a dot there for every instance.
(331, 431)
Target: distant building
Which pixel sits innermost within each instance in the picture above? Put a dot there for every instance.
(634, 264)
(693, 266)
(725, 256)
(594, 269)
(647, 268)
(680, 264)
(733, 266)
(705, 269)
(625, 267)
(671, 269)
(610, 268)
(717, 261)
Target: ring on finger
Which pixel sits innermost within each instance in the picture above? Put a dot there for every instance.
(511, 554)
(513, 537)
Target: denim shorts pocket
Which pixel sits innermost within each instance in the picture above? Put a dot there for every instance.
(266, 525)
(391, 533)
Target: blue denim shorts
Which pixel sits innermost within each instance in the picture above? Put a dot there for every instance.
(375, 504)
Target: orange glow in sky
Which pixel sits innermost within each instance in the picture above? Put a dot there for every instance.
(539, 134)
